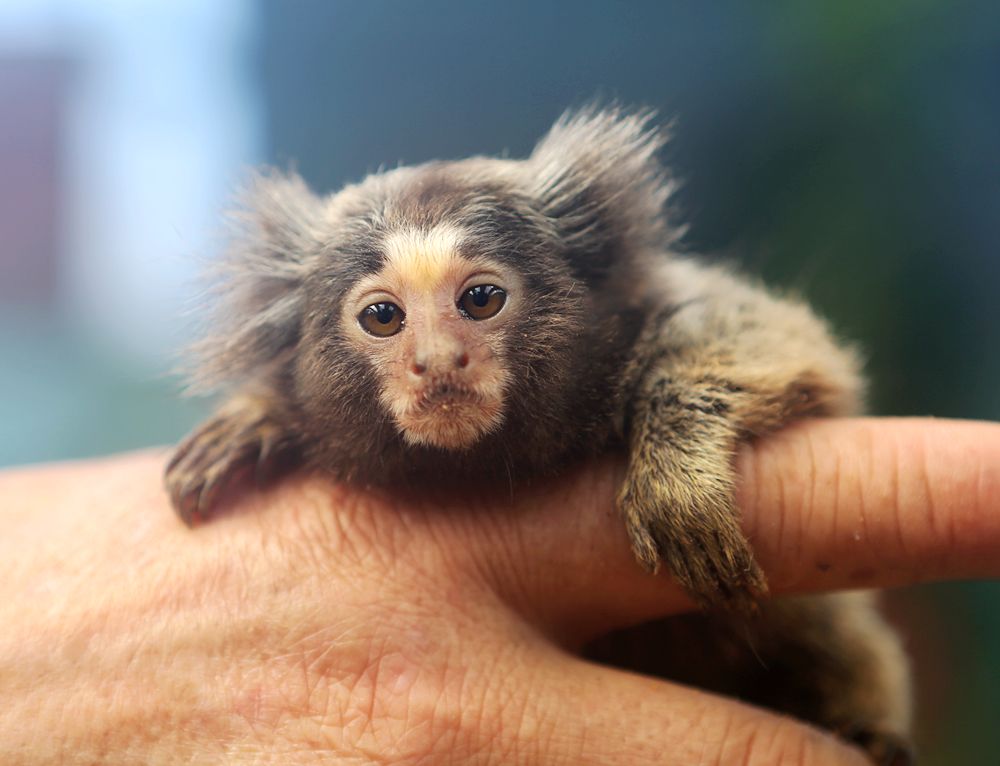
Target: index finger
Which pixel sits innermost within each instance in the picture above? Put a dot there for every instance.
(834, 504)
(872, 502)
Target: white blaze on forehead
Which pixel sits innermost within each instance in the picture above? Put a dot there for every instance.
(423, 258)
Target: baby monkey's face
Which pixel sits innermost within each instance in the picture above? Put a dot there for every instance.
(434, 321)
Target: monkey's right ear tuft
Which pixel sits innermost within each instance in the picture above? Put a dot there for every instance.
(599, 178)
(256, 288)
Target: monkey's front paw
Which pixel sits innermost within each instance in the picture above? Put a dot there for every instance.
(240, 437)
(697, 536)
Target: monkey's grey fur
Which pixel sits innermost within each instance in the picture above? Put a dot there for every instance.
(622, 344)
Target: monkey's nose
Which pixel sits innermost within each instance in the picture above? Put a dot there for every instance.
(422, 364)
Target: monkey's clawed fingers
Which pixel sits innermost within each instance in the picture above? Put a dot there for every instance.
(698, 538)
(200, 467)
(237, 439)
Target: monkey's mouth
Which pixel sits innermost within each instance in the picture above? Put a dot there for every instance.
(445, 397)
(449, 415)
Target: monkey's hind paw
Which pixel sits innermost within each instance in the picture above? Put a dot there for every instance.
(239, 438)
(701, 545)
(884, 748)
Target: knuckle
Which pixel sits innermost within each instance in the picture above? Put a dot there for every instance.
(389, 699)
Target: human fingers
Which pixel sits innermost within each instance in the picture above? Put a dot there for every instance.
(568, 711)
(875, 502)
(826, 504)
(315, 665)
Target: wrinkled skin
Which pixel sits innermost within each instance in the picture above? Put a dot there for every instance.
(314, 623)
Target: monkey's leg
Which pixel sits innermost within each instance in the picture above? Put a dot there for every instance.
(245, 435)
(830, 660)
(834, 660)
(687, 419)
(677, 498)
(723, 362)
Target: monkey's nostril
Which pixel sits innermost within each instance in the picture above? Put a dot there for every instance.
(417, 368)
(462, 361)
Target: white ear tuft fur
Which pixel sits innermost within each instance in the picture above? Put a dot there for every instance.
(600, 180)
(259, 299)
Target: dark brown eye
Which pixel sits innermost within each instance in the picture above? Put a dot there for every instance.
(381, 319)
(482, 301)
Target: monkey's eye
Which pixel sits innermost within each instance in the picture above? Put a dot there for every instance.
(381, 319)
(482, 301)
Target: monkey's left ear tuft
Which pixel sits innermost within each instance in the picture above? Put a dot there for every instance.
(599, 178)
(257, 287)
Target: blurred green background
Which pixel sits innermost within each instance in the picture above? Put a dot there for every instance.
(847, 150)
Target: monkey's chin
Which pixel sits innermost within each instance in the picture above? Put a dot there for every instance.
(449, 425)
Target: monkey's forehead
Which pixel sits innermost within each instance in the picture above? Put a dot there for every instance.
(471, 193)
(480, 204)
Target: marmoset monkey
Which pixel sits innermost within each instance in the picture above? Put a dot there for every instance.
(497, 318)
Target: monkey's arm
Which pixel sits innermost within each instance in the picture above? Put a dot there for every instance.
(721, 362)
(246, 435)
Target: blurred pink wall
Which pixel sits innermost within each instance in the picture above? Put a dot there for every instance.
(33, 93)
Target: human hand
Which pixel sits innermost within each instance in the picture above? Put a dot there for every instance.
(320, 623)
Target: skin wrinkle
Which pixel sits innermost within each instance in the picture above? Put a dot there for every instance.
(316, 674)
(836, 479)
(892, 465)
(771, 741)
(750, 747)
(966, 455)
(803, 753)
(448, 727)
(959, 469)
(941, 486)
(538, 727)
(584, 746)
(438, 715)
(320, 662)
(895, 518)
(513, 715)
(863, 510)
(807, 517)
(388, 723)
(981, 494)
(345, 536)
(714, 728)
(247, 705)
(392, 530)
(415, 519)
(374, 665)
(515, 531)
(782, 514)
(476, 713)
(950, 527)
(502, 562)
(923, 472)
(722, 730)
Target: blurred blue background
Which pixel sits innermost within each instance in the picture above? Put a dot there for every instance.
(847, 150)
